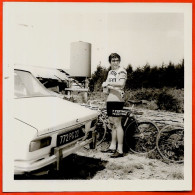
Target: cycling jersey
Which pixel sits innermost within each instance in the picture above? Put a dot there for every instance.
(116, 93)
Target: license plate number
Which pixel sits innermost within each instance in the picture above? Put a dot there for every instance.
(70, 136)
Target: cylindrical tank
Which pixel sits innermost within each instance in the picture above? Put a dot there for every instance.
(80, 59)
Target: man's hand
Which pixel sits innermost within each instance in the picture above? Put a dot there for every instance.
(104, 84)
(111, 87)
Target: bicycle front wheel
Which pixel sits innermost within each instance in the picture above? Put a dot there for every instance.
(101, 129)
(140, 137)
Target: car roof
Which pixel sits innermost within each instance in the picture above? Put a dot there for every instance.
(43, 72)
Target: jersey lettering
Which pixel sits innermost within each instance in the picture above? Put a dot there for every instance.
(112, 80)
(113, 73)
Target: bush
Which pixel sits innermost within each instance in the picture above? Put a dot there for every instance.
(142, 94)
(169, 99)
(98, 77)
(167, 102)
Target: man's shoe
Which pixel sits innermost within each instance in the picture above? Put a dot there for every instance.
(108, 151)
(117, 155)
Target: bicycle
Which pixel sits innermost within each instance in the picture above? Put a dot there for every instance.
(142, 137)
(139, 135)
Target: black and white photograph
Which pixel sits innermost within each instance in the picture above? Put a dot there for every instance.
(97, 96)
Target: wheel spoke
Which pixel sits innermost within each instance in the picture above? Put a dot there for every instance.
(141, 138)
(170, 144)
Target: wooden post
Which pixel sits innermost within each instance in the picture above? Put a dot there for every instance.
(58, 153)
(85, 94)
(69, 86)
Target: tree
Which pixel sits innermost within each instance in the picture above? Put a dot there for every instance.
(170, 75)
(98, 77)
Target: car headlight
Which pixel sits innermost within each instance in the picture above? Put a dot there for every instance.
(38, 144)
(93, 123)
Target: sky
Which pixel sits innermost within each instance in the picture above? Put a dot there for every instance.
(40, 34)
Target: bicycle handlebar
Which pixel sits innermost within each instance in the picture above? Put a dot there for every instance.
(138, 101)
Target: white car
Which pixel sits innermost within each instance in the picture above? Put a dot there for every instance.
(48, 127)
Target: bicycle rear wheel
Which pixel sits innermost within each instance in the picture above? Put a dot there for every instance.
(140, 137)
(170, 143)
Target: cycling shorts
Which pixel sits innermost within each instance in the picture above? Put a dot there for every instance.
(114, 108)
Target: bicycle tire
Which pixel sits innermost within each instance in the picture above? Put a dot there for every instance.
(170, 143)
(101, 129)
(140, 137)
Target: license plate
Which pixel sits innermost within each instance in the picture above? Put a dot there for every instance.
(70, 136)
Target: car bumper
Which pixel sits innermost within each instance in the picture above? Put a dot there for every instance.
(21, 167)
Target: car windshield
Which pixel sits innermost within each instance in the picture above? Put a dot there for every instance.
(26, 85)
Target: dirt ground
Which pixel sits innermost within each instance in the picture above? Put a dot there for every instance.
(94, 165)
(132, 166)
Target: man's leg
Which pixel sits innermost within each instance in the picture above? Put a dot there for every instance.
(114, 134)
(120, 133)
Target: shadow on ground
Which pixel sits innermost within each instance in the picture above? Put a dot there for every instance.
(74, 167)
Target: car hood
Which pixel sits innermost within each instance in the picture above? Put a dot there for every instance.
(48, 114)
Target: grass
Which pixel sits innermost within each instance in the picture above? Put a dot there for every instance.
(169, 99)
(177, 175)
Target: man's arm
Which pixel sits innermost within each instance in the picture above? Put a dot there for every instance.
(119, 83)
(121, 80)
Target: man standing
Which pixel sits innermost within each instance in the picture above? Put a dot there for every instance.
(114, 85)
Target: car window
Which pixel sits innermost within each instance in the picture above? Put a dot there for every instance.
(26, 85)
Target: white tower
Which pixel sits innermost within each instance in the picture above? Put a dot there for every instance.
(80, 59)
